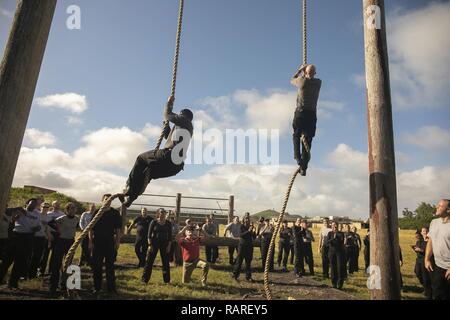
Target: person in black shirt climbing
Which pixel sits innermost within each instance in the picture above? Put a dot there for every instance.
(305, 116)
(142, 224)
(335, 241)
(104, 241)
(159, 239)
(284, 245)
(245, 250)
(166, 162)
(298, 233)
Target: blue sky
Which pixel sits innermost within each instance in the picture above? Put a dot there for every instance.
(238, 56)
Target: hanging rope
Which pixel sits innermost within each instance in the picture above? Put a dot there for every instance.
(175, 66)
(70, 254)
(271, 250)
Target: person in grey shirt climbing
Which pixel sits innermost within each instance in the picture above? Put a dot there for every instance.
(305, 116)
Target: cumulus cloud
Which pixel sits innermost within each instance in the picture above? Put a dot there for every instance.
(151, 131)
(430, 138)
(36, 138)
(420, 72)
(72, 102)
(74, 120)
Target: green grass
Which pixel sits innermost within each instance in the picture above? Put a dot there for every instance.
(221, 286)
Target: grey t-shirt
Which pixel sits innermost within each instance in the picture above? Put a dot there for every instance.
(210, 229)
(234, 230)
(28, 223)
(440, 240)
(67, 226)
(308, 93)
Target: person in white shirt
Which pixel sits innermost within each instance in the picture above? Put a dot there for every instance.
(437, 254)
(40, 241)
(85, 219)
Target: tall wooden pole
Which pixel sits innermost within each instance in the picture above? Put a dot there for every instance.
(384, 242)
(19, 71)
(230, 209)
(177, 207)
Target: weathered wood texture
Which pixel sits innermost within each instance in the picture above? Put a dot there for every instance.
(384, 241)
(19, 72)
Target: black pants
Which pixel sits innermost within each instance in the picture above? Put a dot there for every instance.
(325, 262)
(39, 245)
(304, 123)
(103, 253)
(86, 258)
(62, 246)
(265, 244)
(140, 247)
(299, 265)
(162, 248)
(292, 253)
(153, 164)
(352, 258)
(46, 254)
(283, 252)
(18, 253)
(3, 248)
(439, 285)
(309, 256)
(336, 267)
(212, 252)
(175, 254)
(424, 277)
(366, 258)
(231, 250)
(245, 252)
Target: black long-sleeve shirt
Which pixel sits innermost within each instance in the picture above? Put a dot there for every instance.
(286, 235)
(298, 234)
(160, 234)
(247, 236)
(335, 240)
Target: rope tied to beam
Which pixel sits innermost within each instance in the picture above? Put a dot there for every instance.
(271, 250)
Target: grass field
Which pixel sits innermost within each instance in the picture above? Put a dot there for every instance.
(220, 284)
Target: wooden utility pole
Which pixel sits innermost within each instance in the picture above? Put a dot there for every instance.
(230, 209)
(384, 242)
(19, 71)
(177, 207)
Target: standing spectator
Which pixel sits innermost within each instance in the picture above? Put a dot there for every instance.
(214, 222)
(85, 219)
(438, 246)
(142, 224)
(159, 239)
(307, 245)
(299, 234)
(232, 230)
(335, 240)
(421, 272)
(40, 242)
(284, 245)
(5, 222)
(245, 250)
(104, 241)
(190, 245)
(67, 227)
(210, 229)
(351, 250)
(323, 248)
(266, 235)
(175, 255)
(51, 217)
(260, 226)
(357, 240)
(26, 223)
(367, 251)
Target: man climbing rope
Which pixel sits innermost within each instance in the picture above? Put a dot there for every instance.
(305, 116)
(167, 162)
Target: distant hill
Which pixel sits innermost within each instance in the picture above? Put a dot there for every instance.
(270, 213)
(18, 197)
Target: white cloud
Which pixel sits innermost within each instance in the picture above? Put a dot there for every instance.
(418, 42)
(74, 120)
(151, 131)
(6, 13)
(72, 102)
(36, 138)
(429, 138)
(111, 148)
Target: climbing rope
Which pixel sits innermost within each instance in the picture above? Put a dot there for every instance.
(70, 254)
(175, 66)
(291, 182)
